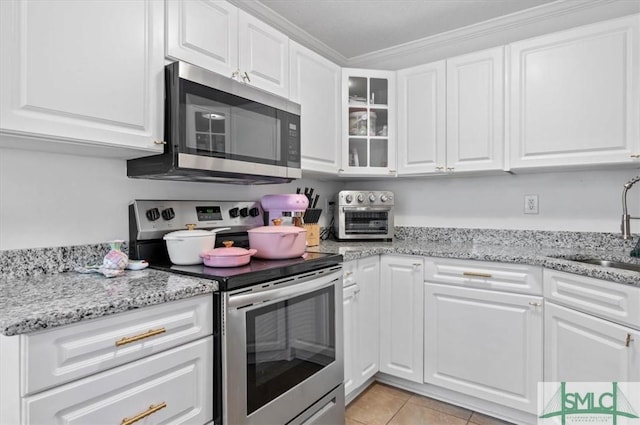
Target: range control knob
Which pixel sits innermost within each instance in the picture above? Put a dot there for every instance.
(244, 212)
(372, 197)
(168, 214)
(384, 198)
(153, 214)
(254, 212)
(349, 198)
(360, 198)
(233, 212)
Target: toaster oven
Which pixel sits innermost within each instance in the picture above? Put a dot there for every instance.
(364, 215)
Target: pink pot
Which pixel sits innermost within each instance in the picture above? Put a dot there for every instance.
(278, 242)
(229, 256)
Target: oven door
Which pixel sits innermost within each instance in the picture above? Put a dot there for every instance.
(366, 222)
(282, 348)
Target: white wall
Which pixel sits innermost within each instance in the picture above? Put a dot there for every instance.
(572, 201)
(49, 199)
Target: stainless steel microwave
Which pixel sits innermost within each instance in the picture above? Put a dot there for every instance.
(220, 130)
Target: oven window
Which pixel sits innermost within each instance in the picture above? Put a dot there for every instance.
(366, 222)
(287, 342)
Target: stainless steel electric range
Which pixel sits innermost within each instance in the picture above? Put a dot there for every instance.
(278, 347)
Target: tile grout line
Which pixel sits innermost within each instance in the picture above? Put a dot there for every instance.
(395, 414)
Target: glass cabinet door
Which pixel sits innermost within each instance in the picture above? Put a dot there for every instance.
(369, 122)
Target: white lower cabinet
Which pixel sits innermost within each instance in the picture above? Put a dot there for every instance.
(580, 347)
(154, 363)
(401, 320)
(484, 343)
(175, 386)
(592, 329)
(361, 330)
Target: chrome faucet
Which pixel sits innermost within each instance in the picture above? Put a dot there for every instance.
(626, 218)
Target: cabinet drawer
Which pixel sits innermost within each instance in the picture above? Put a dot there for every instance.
(63, 354)
(609, 300)
(485, 275)
(181, 378)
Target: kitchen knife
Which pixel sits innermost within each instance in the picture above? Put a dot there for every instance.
(315, 201)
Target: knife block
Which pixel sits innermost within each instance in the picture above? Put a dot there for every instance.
(313, 233)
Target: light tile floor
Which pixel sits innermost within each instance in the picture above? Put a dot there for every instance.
(384, 405)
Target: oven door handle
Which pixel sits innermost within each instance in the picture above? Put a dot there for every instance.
(366, 209)
(245, 300)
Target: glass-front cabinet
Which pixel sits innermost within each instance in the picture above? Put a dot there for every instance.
(368, 123)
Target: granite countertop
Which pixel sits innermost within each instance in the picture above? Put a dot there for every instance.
(38, 291)
(551, 258)
(49, 300)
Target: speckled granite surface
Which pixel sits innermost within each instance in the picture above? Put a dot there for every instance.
(552, 258)
(45, 301)
(36, 295)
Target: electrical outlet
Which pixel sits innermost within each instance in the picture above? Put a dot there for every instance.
(531, 204)
(329, 206)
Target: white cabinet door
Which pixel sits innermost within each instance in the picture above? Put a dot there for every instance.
(204, 33)
(575, 96)
(580, 347)
(368, 317)
(483, 343)
(401, 321)
(315, 85)
(350, 338)
(263, 55)
(89, 73)
(475, 111)
(422, 119)
(368, 123)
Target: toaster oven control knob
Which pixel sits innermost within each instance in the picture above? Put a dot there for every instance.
(372, 197)
(384, 198)
(244, 212)
(168, 214)
(153, 214)
(349, 198)
(254, 212)
(233, 212)
(360, 197)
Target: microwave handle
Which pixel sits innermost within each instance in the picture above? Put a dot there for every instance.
(245, 300)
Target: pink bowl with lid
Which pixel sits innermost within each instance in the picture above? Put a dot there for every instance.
(227, 256)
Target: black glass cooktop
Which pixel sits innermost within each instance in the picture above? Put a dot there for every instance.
(257, 271)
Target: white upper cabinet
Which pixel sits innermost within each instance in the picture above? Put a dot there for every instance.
(575, 96)
(422, 119)
(368, 123)
(204, 33)
(263, 56)
(90, 73)
(475, 111)
(451, 115)
(216, 35)
(315, 85)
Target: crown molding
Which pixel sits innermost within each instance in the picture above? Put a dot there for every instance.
(549, 17)
(543, 19)
(294, 32)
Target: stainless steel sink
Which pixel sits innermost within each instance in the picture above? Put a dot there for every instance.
(613, 264)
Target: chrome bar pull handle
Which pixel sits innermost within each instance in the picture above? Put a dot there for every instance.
(535, 304)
